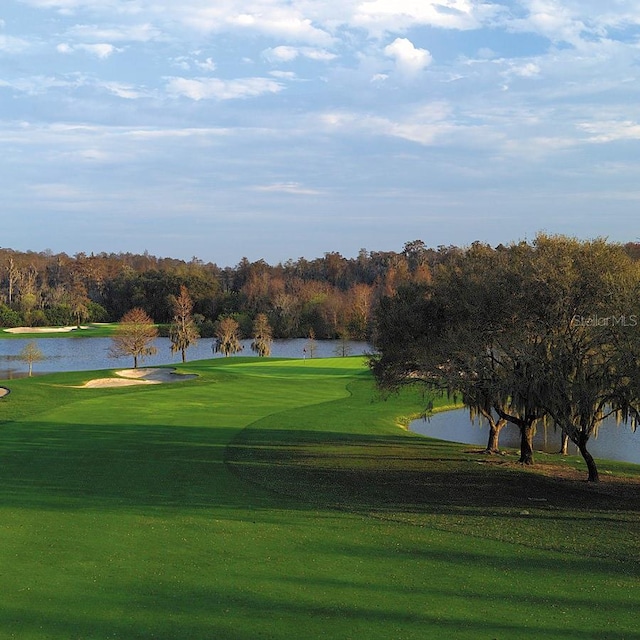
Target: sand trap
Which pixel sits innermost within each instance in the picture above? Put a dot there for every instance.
(43, 329)
(130, 377)
(3, 391)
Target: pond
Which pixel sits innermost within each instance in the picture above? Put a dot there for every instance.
(614, 442)
(88, 354)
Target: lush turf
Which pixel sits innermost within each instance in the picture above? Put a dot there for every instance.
(280, 499)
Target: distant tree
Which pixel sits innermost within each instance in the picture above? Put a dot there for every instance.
(31, 354)
(227, 337)
(343, 348)
(134, 336)
(311, 346)
(183, 331)
(9, 317)
(262, 336)
(79, 302)
(13, 277)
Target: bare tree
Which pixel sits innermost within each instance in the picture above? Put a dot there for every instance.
(311, 346)
(183, 331)
(13, 275)
(343, 348)
(134, 336)
(31, 354)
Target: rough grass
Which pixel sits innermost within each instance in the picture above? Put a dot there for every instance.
(280, 499)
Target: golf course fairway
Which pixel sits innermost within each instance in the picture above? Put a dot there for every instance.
(270, 498)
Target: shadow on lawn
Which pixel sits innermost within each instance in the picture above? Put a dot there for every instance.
(237, 614)
(408, 474)
(442, 485)
(137, 466)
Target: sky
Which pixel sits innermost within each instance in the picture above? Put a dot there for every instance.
(279, 129)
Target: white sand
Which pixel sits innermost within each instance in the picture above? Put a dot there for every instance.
(43, 329)
(130, 377)
(3, 391)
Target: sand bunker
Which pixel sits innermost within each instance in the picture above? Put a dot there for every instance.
(130, 377)
(3, 391)
(43, 329)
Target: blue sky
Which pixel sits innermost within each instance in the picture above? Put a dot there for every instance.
(278, 129)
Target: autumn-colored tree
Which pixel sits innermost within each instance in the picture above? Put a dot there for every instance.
(227, 335)
(134, 336)
(79, 301)
(183, 331)
(262, 336)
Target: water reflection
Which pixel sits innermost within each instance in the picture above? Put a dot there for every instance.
(88, 354)
(614, 442)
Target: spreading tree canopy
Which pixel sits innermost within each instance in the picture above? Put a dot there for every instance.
(546, 330)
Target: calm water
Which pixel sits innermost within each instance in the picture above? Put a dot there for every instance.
(88, 354)
(614, 442)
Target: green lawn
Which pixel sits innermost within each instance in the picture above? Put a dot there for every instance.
(281, 499)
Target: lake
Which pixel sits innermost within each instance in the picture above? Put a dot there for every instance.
(614, 442)
(88, 354)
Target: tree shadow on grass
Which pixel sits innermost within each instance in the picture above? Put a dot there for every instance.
(92, 467)
(238, 614)
(428, 482)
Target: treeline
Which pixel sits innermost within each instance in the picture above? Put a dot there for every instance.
(328, 297)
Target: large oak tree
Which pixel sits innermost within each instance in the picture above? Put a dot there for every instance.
(502, 329)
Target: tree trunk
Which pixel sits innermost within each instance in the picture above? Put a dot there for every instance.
(564, 445)
(493, 445)
(135, 362)
(591, 463)
(526, 444)
(184, 357)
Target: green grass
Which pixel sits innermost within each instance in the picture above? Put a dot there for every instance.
(281, 499)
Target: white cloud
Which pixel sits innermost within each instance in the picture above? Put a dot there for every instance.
(286, 53)
(409, 60)
(293, 188)
(207, 65)
(612, 131)
(398, 15)
(424, 125)
(271, 18)
(218, 89)
(144, 32)
(285, 75)
(12, 45)
(102, 50)
(526, 70)
(281, 54)
(126, 91)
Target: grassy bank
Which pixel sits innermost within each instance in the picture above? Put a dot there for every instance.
(280, 499)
